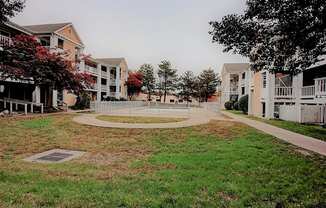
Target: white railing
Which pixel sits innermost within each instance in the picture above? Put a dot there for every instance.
(284, 92)
(308, 91)
(104, 88)
(4, 40)
(320, 85)
(104, 74)
(91, 69)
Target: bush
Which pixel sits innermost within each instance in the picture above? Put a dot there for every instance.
(236, 106)
(83, 102)
(228, 105)
(243, 104)
(123, 99)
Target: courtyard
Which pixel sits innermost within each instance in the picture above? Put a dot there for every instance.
(218, 164)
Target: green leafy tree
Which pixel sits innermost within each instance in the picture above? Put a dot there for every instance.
(148, 79)
(208, 81)
(276, 35)
(9, 8)
(168, 76)
(186, 85)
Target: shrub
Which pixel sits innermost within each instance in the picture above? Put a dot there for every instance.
(83, 102)
(243, 104)
(236, 106)
(228, 105)
(123, 99)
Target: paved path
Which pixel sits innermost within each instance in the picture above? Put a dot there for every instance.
(296, 139)
(195, 116)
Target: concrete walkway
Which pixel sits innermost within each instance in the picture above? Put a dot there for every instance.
(296, 139)
(193, 116)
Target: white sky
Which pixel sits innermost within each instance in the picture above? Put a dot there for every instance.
(142, 31)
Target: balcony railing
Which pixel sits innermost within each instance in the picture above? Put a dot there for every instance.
(308, 91)
(284, 92)
(104, 73)
(91, 69)
(320, 85)
(104, 88)
(4, 40)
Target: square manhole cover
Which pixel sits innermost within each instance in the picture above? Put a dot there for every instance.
(54, 156)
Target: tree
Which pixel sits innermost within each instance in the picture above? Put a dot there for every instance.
(276, 35)
(9, 8)
(168, 76)
(208, 82)
(25, 59)
(186, 85)
(147, 71)
(134, 83)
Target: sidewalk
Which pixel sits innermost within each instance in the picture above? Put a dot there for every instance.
(296, 139)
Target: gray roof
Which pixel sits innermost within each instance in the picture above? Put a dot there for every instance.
(46, 28)
(236, 67)
(18, 27)
(111, 61)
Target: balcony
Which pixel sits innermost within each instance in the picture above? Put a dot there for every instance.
(104, 88)
(104, 73)
(4, 40)
(284, 93)
(320, 87)
(91, 69)
(315, 91)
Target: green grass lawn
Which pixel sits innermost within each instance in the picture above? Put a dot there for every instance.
(138, 119)
(220, 164)
(315, 131)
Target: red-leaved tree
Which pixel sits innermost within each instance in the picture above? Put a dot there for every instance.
(134, 83)
(26, 60)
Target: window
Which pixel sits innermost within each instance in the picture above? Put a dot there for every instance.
(264, 77)
(103, 68)
(244, 75)
(243, 91)
(103, 81)
(3, 33)
(171, 101)
(60, 43)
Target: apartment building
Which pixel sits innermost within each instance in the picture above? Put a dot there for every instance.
(299, 98)
(109, 74)
(235, 81)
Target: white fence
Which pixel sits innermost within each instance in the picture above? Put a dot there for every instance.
(289, 113)
(303, 113)
(110, 106)
(313, 114)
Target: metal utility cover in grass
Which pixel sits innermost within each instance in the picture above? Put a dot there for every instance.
(55, 156)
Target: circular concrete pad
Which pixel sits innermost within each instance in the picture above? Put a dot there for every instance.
(195, 116)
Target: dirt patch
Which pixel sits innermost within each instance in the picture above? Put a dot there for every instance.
(223, 129)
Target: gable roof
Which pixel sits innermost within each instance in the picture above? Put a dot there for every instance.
(46, 28)
(111, 61)
(235, 67)
(18, 27)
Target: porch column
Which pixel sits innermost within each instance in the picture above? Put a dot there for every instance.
(108, 83)
(270, 95)
(297, 85)
(99, 88)
(55, 98)
(117, 89)
(37, 95)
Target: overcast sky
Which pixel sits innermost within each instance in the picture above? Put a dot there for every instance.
(142, 31)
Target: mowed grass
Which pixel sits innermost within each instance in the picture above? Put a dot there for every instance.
(220, 164)
(314, 131)
(138, 119)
